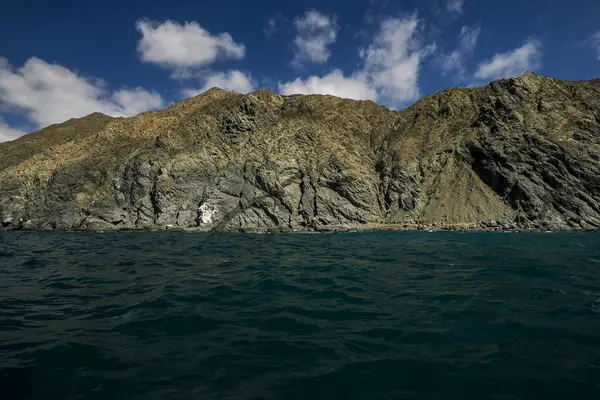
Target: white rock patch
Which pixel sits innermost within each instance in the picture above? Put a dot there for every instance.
(207, 213)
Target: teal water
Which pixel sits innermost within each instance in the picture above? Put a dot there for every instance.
(299, 316)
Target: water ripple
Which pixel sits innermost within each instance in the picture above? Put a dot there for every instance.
(348, 316)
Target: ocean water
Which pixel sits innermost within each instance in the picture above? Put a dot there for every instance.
(299, 316)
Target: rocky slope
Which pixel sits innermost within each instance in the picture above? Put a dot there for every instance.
(521, 152)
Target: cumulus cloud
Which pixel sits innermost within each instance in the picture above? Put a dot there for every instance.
(230, 80)
(135, 101)
(393, 60)
(389, 71)
(50, 93)
(334, 83)
(315, 32)
(7, 133)
(173, 45)
(512, 63)
(455, 61)
(455, 6)
(188, 50)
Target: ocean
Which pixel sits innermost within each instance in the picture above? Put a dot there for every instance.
(378, 315)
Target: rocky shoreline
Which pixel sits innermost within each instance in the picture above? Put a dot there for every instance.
(491, 226)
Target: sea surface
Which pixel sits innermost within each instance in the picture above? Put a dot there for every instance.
(385, 315)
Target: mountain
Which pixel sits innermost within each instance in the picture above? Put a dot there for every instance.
(518, 153)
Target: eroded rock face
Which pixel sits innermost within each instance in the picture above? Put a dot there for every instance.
(521, 152)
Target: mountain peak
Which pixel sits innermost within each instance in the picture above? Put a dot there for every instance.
(213, 89)
(529, 74)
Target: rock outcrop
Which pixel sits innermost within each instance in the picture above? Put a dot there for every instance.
(518, 153)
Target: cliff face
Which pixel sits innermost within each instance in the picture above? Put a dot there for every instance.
(524, 151)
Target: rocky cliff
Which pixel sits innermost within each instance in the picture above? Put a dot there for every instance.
(518, 153)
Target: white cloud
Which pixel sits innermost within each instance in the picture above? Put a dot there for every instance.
(315, 32)
(334, 83)
(389, 72)
(455, 6)
(174, 45)
(455, 61)
(230, 80)
(512, 63)
(393, 60)
(135, 101)
(7, 133)
(595, 42)
(188, 49)
(50, 93)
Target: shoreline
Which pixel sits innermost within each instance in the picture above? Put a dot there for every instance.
(466, 228)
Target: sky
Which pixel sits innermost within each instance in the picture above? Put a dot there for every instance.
(66, 59)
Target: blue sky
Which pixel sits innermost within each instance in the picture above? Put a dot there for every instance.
(65, 59)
